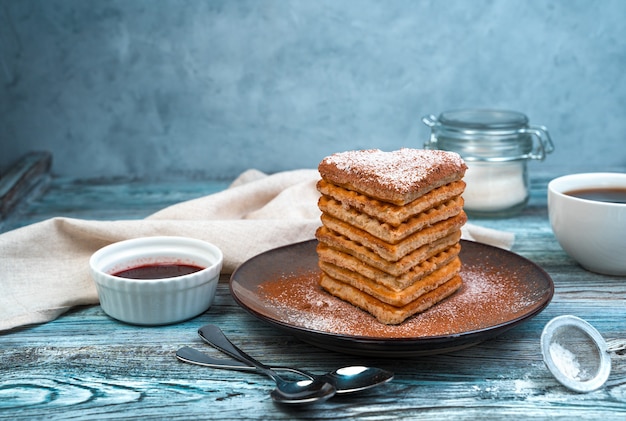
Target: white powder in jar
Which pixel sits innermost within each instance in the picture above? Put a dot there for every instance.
(494, 186)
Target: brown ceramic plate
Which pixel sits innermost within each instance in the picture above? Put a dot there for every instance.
(500, 291)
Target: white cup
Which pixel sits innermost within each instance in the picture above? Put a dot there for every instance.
(592, 232)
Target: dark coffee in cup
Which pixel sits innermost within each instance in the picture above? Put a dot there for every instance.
(609, 194)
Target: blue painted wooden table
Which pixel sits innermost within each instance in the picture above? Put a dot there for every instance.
(86, 365)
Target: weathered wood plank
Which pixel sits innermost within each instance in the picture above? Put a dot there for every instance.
(31, 172)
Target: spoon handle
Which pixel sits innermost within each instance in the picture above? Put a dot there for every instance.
(214, 336)
(193, 356)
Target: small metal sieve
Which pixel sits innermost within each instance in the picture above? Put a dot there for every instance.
(575, 353)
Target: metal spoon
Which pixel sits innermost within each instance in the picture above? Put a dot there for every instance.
(287, 392)
(346, 379)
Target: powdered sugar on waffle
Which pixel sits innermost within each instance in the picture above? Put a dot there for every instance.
(401, 171)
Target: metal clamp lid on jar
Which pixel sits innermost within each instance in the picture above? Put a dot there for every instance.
(488, 135)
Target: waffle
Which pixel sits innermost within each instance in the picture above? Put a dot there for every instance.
(397, 177)
(343, 244)
(387, 232)
(423, 267)
(394, 252)
(386, 313)
(387, 295)
(388, 212)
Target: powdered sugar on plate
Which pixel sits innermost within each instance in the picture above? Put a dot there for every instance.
(489, 297)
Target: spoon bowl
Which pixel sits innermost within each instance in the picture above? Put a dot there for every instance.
(357, 378)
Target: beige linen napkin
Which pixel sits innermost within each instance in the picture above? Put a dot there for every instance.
(44, 267)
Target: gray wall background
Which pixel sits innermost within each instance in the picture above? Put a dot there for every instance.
(209, 88)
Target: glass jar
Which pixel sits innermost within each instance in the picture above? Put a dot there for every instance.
(496, 146)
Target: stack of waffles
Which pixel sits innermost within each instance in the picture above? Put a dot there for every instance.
(391, 228)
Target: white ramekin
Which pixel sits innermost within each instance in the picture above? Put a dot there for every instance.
(156, 301)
